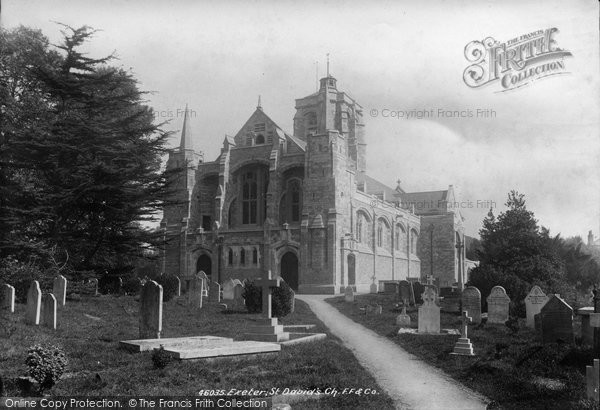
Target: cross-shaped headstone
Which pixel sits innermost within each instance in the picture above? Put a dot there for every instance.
(266, 285)
(465, 320)
(428, 296)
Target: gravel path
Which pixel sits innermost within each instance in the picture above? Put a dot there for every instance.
(410, 382)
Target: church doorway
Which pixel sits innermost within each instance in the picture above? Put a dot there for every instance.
(351, 270)
(204, 263)
(289, 269)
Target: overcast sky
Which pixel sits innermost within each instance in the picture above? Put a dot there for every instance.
(219, 56)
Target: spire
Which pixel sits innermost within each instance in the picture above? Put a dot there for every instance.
(259, 105)
(186, 133)
(327, 64)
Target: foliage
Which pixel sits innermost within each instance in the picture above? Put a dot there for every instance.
(282, 300)
(20, 275)
(160, 358)
(253, 297)
(110, 284)
(132, 285)
(170, 284)
(516, 254)
(46, 364)
(472, 248)
(80, 155)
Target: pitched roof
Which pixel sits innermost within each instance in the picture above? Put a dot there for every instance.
(425, 202)
(301, 144)
(375, 187)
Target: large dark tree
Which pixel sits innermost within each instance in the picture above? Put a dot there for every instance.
(88, 172)
(517, 253)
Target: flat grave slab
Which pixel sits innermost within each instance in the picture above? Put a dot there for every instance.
(297, 338)
(143, 345)
(221, 350)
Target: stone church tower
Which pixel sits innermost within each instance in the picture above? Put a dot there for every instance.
(301, 205)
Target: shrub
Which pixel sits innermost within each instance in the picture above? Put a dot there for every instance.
(46, 364)
(109, 284)
(282, 300)
(132, 285)
(160, 358)
(170, 284)
(21, 274)
(253, 296)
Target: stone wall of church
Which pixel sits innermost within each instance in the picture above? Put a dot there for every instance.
(444, 251)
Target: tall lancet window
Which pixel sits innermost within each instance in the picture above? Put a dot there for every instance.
(249, 198)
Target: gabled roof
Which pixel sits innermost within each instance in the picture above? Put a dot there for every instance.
(375, 187)
(434, 196)
(301, 144)
(426, 202)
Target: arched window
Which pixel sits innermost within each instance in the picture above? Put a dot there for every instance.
(243, 257)
(290, 208)
(295, 204)
(260, 139)
(364, 229)
(230, 257)
(359, 228)
(400, 243)
(249, 140)
(249, 198)
(380, 234)
(255, 256)
(414, 236)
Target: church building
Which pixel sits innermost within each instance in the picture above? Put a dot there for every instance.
(302, 205)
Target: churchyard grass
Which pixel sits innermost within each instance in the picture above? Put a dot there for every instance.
(90, 330)
(511, 368)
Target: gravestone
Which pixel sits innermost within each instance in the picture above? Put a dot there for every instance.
(238, 297)
(534, 301)
(471, 302)
(59, 290)
(293, 307)
(498, 304)
(349, 294)
(556, 320)
(373, 288)
(403, 319)
(214, 292)
(592, 374)
(429, 312)
(450, 299)
(267, 329)
(206, 280)
(151, 306)
(407, 295)
(94, 283)
(228, 287)
(34, 304)
(7, 298)
(178, 291)
(49, 310)
(463, 346)
(418, 289)
(195, 291)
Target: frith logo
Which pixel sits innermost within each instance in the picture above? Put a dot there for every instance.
(514, 63)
